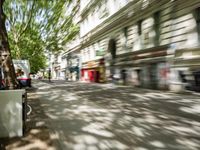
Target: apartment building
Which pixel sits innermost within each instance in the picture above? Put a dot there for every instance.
(147, 43)
(143, 38)
(65, 64)
(72, 59)
(56, 66)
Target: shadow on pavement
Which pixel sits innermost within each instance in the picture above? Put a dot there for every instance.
(96, 117)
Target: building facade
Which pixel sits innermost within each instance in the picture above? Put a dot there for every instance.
(72, 65)
(146, 43)
(65, 64)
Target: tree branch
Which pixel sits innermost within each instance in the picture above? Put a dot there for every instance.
(28, 22)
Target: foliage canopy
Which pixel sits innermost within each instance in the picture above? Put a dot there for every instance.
(37, 26)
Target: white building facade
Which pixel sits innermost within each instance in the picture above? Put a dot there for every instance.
(146, 43)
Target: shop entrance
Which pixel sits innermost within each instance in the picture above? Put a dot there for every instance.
(91, 75)
(192, 80)
(94, 76)
(97, 76)
(153, 76)
(147, 76)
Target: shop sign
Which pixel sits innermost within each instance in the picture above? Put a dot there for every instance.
(91, 64)
(100, 52)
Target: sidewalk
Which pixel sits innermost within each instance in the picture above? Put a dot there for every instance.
(80, 116)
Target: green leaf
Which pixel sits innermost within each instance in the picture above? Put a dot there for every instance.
(35, 26)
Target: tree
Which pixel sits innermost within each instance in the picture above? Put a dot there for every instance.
(34, 26)
(9, 72)
(31, 47)
(20, 15)
(60, 28)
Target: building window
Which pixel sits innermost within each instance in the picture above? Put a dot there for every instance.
(140, 27)
(157, 27)
(197, 17)
(103, 10)
(125, 36)
(112, 48)
(139, 24)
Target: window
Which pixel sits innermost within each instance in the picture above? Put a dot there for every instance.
(157, 27)
(103, 10)
(112, 48)
(125, 32)
(140, 27)
(140, 34)
(197, 17)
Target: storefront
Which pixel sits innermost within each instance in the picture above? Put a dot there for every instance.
(147, 68)
(56, 72)
(73, 73)
(62, 74)
(73, 69)
(93, 71)
(153, 75)
(187, 68)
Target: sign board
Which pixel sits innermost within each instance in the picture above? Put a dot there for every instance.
(100, 52)
(91, 64)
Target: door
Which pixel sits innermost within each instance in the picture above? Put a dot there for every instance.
(153, 76)
(97, 76)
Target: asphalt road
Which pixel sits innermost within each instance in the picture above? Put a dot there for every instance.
(82, 116)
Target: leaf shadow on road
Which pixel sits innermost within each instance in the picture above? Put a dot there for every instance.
(148, 119)
(98, 117)
(36, 135)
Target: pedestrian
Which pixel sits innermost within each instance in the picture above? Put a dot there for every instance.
(49, 75)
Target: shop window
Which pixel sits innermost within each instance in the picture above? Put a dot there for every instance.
(157, 27)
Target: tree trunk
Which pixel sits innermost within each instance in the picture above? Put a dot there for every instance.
(7, 64)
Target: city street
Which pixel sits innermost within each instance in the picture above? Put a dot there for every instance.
(83, 116)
